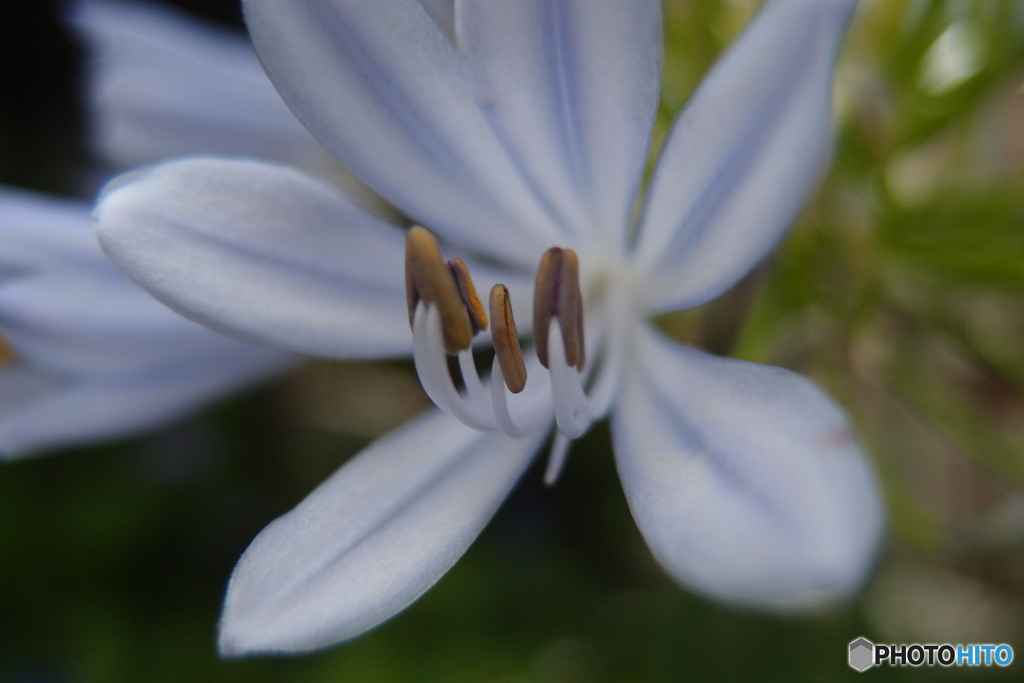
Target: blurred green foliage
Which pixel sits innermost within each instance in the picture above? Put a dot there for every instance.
(901, 290)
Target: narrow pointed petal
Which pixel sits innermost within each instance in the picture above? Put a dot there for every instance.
(383, 88)
(40, 412)
(744, 479)
(261, 252)
(372, 538)
(573, 87)
(161, 84)
(743, 155)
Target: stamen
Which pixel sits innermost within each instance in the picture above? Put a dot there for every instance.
(6, 354)
(429, 279)
(464, 283)
(500, 403)
(470, 377)
(445, 313)
(432, 368)
(557, 295)
(572, 413)
(556, 459)
(506, 340)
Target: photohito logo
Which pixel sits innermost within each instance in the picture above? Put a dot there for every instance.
(864, 654)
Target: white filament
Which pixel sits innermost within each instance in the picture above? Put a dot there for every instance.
(432, 367)
(556, 459)
(470, 377)
(571, 410)
(500, 402)
(487, 405)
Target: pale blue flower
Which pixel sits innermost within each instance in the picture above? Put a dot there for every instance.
(94, 356)
(86, 354)
(530, 130)
(161, 84)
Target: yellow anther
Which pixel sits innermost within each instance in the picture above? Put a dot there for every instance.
(6, 354)
(557, 295)
(429, 279)
(506, 340)
(464, 283)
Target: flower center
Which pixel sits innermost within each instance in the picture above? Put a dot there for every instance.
(445, 315)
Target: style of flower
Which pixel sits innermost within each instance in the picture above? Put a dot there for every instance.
(85, 355)
(522, 141)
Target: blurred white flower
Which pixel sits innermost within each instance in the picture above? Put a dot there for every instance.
(530, 131)
(161, 84)
(85, 355)
(94, 357)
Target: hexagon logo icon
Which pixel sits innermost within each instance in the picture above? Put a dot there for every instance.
(862, 654)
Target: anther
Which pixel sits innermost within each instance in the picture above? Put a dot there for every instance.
(557, 295)
(430, 280)
(474, 307)
(506, 340)
(7, 353)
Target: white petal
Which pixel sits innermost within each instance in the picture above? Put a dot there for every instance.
(382, 87)
(66, 309)
(262, 252)
(372, 538)
(93, 321)
(162, 84)
(744, 479)
(97, 357)
(572, 86)
(743, 155)
(443, 14)
(40, 412)
(36, 230)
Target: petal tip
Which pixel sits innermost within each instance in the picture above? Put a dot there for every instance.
(229, 645)
(240, 636)
(746, 481)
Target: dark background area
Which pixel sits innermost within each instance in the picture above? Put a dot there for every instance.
(42, 121)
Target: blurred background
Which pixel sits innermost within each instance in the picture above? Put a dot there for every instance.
(900, 291)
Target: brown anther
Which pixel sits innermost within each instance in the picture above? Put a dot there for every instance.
(429, 279)
(474, 307)
(557, 295)
(506, 340)
(6, 354)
